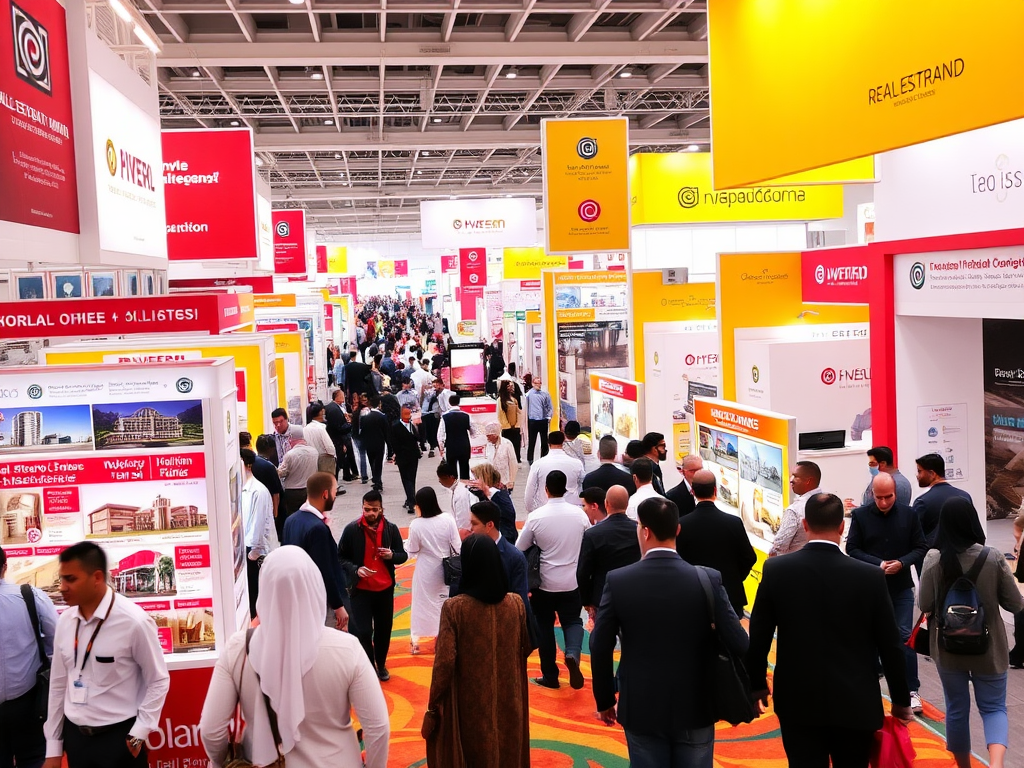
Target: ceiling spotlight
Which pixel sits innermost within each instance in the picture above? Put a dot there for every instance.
(296, 2)
(418, 172)
(693, 148)
(234, 123)
(425, 153)
(437, 119)
(512, 73)
(337, 155)
(119, 8)
(316, 74)
(196, 73)
(627, 72)
(329, 121)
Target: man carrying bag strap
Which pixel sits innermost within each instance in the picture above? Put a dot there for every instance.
(42, 688)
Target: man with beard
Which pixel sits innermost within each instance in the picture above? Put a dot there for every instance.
(656, 449)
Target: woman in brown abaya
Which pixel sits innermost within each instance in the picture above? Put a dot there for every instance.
(478, 713)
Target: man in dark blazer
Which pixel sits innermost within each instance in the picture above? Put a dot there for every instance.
(606, 546)
(659, 608)
(404, 441)
(610, 472)
(357, 377)
(373, 432)
(682, 493)
(715, 539)
(308, 529)
(453, 437)
(834, 621)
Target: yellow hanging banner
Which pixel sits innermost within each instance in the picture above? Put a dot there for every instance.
(527, 263)
(586, 185)
(337, 259)
(824, 81)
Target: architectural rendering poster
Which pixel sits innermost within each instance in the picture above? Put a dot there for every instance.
(1004, 417)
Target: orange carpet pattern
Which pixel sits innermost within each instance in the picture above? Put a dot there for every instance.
(564, 731)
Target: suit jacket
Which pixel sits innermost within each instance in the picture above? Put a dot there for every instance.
(337, 425)
(456, 433)
(607, 475)
(610, 544)
(682, 498)
(928, 505)
(664, 675)
(306, 530)
(352, 548)
(405, 444)
(715, 539)
(357, 376)
(373, 430)
(657, 481)
(834, 620)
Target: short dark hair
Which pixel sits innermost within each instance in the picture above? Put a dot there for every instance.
(643, 469)
(244, 439)
(555, 483)
(881, 453)
(335, 393)
(635, 449)
(660, 516)
(314, 410)
(91, 557)
(651, 440)
(556, 437)
(265, 443)
(317, 483)
(607, 447)
(444, 469)
(702, 490)
(278, 412)
(454, 399)
(824, 513)
(3, 558)
(248, 456)
(373, 399)
(932, 462)
(373, 496)
(426, 500)
(594, 495)
(486, 512)
(572, 430)
(812, 469)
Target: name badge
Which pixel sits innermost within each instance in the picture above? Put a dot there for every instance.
(79, 692)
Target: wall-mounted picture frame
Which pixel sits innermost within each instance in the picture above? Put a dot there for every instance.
(147, 282)
(30, 286)
(67, 285)
(102, 284)
(131, 285)
(161, 283)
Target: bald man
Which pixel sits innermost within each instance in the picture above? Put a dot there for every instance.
(609, 545)
(888, 535)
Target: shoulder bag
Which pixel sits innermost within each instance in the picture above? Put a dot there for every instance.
(452, 566)
(532, 555)
(732, 699)
(42, 689)
(235, 757)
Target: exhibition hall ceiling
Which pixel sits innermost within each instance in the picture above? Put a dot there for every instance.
(362, 108)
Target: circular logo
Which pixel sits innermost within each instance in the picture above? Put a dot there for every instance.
(31, 50)
(755, 374)
(34, 391)
(457, 224)
(828, 376)
(111, 158)
(933, 432)
(819, 274)
(283, 229)
(589, 210)
(474, 278)
(183, 385)
(586, 148)
(656, 358)
(472, 256)
(917, 275)
(690, 359)
(688, 197)
(34, 535)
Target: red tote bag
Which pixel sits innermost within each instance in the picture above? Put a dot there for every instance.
(893, 747)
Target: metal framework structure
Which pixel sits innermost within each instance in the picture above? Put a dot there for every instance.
(361, 108)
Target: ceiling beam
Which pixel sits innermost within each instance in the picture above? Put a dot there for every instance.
(314, 194)
(175, 24)
(487, 7)
(648, 24)
(581, 22)
(517, 21)
(448, 24)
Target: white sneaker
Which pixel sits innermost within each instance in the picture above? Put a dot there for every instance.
(915, 702)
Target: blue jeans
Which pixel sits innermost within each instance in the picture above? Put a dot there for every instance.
(358, 444)
(568, 607)
(694, 748)
(903, 605)
(990, 696)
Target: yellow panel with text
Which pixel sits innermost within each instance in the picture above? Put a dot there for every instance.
(337, 259)
(657, 302)
(527, 263)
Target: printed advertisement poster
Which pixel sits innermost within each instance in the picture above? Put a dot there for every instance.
(1004, 417)
(942, 429)
(37, 147)
(290, 242)
(615, 409)
(468, 375)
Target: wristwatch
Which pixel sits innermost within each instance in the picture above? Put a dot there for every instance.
(135, 744)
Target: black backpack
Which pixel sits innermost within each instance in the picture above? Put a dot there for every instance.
(962, 628)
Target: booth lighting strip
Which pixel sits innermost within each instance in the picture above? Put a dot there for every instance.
(138, 25)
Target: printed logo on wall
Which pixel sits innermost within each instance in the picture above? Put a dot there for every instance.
(688, 197)
(917, 275)
(31, 50)
(589, 210)
(283, 230)
(183, 385)
(755, 374)
(586, 148)
(819, 274)
(828, 376)
(111, 157)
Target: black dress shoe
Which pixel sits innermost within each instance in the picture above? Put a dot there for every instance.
(575, 676)
(383, 675)
(545, 684)
(1017, 658)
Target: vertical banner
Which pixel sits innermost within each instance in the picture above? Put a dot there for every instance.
(290, 242)
(586, 184)
(337, 259)
(473, 278)
(450, 263)
(401, 268)
(321, 259)
(37, 146)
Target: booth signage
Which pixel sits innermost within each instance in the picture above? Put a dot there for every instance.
(473, 267)
(210, 191)
(263, 301)
(527, 263)
(37, 143)
(884, 75)
(321, 259)
(831, 278)
(467, 300)
(290, 242)
(987, 282)
(586, 185)
(256, 284)
(265, 226)
(450, 263)
(488, 221)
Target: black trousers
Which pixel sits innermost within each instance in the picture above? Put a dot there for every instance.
(291, 500)
(430, 424)
(458, 460)
(515, 436)
(375, 456)
(537, 428)
(105, 750)
(374, 613)
(21, 733)
(407, 470)
(809, 746)
(346, 458)
(252, 575)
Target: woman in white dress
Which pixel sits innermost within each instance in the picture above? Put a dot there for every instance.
(433, 535)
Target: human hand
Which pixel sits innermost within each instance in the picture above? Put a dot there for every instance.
(607, 716)
(364, 572)
(892, 567)
(341, 617)
(385, 553)
(464, 533)
(53, 762)
(761, 697)
(904, 714)
(254, 555)
(134, 746)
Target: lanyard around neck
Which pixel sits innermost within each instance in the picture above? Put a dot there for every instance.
(88, 648)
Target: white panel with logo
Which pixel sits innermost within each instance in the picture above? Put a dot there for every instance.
(986, 282)
(509, 222)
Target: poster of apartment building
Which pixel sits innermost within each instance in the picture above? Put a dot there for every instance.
(46, 429)
(154, 424)
(151, 510)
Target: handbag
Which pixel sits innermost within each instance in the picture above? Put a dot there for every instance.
(893, 747)
(920, 638)
(326, 463)
(236, 758)
(532, 555)
(42, 687)
(452, 566)
(732, 699)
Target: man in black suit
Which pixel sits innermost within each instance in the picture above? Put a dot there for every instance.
(610, 472)
(834, 620)
(682, 493)
(308, 529)
(404, 441)
(656, 449)
(265, 471)
(931, 474)
(373, 432)
(357, 377)
(606, 546)
(453, 437)
(715, 539)
(339, 429)
(659, 608)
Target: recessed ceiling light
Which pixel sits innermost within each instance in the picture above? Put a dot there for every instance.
(337, 155)
(437, 119)
(418, 171)
(693, 148)
(259, 161)
(512, 73)
(329, 121)
(234, 123)
(196, 73)
(316, 74)
(425, 153)
(296, 2)
(627, 72)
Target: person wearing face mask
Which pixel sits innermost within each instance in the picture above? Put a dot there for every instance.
(880, 461)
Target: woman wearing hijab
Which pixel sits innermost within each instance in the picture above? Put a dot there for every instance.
(432, 537)
(312, 675)
(960, 541)
(478, 711)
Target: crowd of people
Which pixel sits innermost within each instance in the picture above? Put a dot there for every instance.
(656, 569)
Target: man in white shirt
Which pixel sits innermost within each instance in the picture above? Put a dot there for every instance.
(258, 517)
(284, 433)
(500, 452)
(421, 378)
(557, 529)
(295, 470)
(556, 459)
(643, 478)
(316, 435)
(461, 500)
(109, 680)
(805, 482)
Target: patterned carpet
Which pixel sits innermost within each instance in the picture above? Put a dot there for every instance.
(564, 731)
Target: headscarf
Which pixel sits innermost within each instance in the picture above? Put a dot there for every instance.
(483, 575)
(492, 428)
(959, 528)
(285, 645)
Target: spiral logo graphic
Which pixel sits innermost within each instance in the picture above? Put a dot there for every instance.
(586, 148)
(819, 274)
(31, 50)
(828, 376)
(917, 275)
(35, 391)
(183, 385)
(755, 374)
(472, 256)
(282, 229)
(474, 278)
(589, 210)
(690, 359)
(111, 158)
(688, 197)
